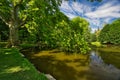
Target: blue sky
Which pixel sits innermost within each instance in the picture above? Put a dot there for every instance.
(96, 13)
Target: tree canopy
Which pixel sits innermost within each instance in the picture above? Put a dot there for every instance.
(71, 36)
(41, 22)
(16, 13)
(111, 33)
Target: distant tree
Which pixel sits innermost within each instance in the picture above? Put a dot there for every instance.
(93, 37)
(111, 33)
(97, 33)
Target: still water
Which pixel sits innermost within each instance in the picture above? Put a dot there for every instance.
(94, 66)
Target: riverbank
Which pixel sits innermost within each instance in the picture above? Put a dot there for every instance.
(105, 47)
(110, 49)
(13, 66)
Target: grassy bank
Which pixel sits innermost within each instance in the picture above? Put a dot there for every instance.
(110, 49)
(105, 47)
(14, 67)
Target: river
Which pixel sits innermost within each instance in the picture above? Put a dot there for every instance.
(93, 66)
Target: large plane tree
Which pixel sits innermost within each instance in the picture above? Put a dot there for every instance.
(16, 13)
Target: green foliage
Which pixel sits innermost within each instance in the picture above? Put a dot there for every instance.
(44, 22)
(17, 13)
(43, 77)
(26, 46)
(81, 26)
(71, 37)
(43, 30)
(93, 37)
(111, 33)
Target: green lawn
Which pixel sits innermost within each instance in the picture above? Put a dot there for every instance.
(15, 67)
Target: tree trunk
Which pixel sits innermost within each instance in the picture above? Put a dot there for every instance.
(14, 37)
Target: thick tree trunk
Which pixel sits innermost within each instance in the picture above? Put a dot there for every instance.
(14, 39)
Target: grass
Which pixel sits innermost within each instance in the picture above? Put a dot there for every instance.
(105, 48)
(14, 67)
(110, 49)
(3, 44)
(96, 44)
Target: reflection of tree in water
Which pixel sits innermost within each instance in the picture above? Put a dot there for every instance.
(98, 65)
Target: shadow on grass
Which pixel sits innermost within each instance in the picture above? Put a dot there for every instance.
(14, 67)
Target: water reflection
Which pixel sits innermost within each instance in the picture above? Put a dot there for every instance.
(106, 70)
(74, 67)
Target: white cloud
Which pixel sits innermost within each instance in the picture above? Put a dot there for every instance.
(107, 10)
(107, 20)
(96, 15)
(65, 6)
(81, 8)
(106, 5)
(74, 8)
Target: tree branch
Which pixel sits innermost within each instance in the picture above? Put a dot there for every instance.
(7, 23)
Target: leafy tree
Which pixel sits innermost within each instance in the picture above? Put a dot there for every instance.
(16, 13)
(43, 30)
(97, 33)
(104, 34)
(111, 33)
(70, 36)
(93, 37)
(80, 25)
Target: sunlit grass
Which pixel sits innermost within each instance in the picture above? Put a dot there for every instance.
(96, 44)
(14, 67)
